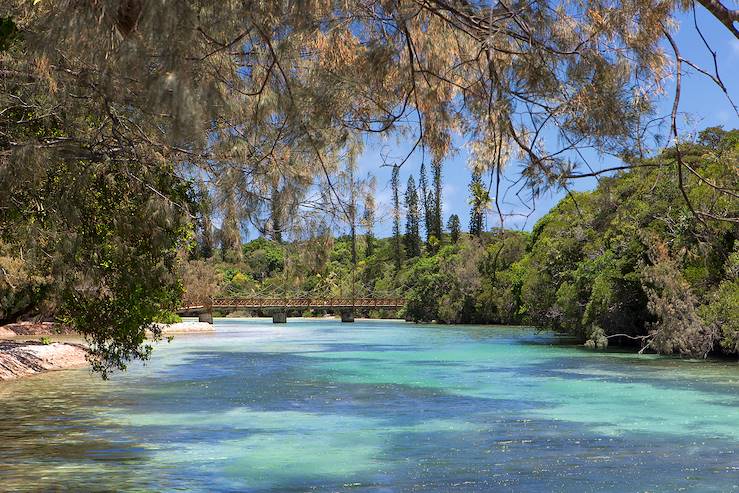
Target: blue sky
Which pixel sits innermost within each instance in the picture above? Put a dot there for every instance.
(701, 100)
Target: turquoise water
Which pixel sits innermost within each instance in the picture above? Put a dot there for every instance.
(375, 406)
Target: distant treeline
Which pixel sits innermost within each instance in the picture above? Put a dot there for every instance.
(639, 260)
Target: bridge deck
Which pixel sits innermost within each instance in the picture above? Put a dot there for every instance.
(297, 303)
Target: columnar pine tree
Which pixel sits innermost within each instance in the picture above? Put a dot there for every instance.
(412, 233)
(476, 212)
(231, 232)
(453, 227)
(276, 214)
(425, 201)
(397, 247)
(368, 218)
(352, 210)
(437, 230)
(206, 242)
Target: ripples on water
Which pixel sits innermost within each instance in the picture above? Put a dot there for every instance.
(375, 406)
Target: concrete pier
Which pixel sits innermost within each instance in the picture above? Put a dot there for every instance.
(206, 317)
(279, 317)
(347, 316)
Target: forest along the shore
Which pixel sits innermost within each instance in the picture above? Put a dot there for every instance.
(625, 263)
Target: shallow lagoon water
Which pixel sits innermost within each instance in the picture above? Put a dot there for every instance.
(316, 405)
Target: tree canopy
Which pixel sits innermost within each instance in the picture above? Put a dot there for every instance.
(279, 89)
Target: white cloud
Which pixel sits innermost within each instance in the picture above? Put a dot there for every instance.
(735, 47)
(723, 117)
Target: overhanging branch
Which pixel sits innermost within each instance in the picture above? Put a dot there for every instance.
(727, 16)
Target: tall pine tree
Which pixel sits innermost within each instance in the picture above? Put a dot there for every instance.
(231, 231)
(368, 217)
(276, 214)
(453, 227)
(397, 247)
(426, 201)
(206, 241)
(412, 220)
(438, 225)
(352, 209)
(479, 201)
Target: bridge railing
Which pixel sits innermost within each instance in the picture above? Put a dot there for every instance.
(262, 302)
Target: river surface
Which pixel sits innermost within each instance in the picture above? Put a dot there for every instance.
(375, 407)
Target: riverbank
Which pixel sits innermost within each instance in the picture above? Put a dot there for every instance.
(34, 329)
(186, 327)
(21, 358)
(25, 358)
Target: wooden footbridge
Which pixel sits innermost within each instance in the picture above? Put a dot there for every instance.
(279, 306)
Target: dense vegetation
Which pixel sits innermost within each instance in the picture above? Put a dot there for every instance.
(116, 114)
(627, 261)
(87, 237)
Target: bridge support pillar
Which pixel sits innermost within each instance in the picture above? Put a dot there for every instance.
(279, 317)
(206, 317)
(347, 316)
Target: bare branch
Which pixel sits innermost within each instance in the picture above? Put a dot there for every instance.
(725, 15)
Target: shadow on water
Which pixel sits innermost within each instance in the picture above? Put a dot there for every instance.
(466, 410)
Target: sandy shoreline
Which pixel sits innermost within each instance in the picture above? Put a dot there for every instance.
(187, 327)
(21, 359)
(33, 329)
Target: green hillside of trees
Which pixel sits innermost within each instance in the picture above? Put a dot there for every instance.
(627, 262)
